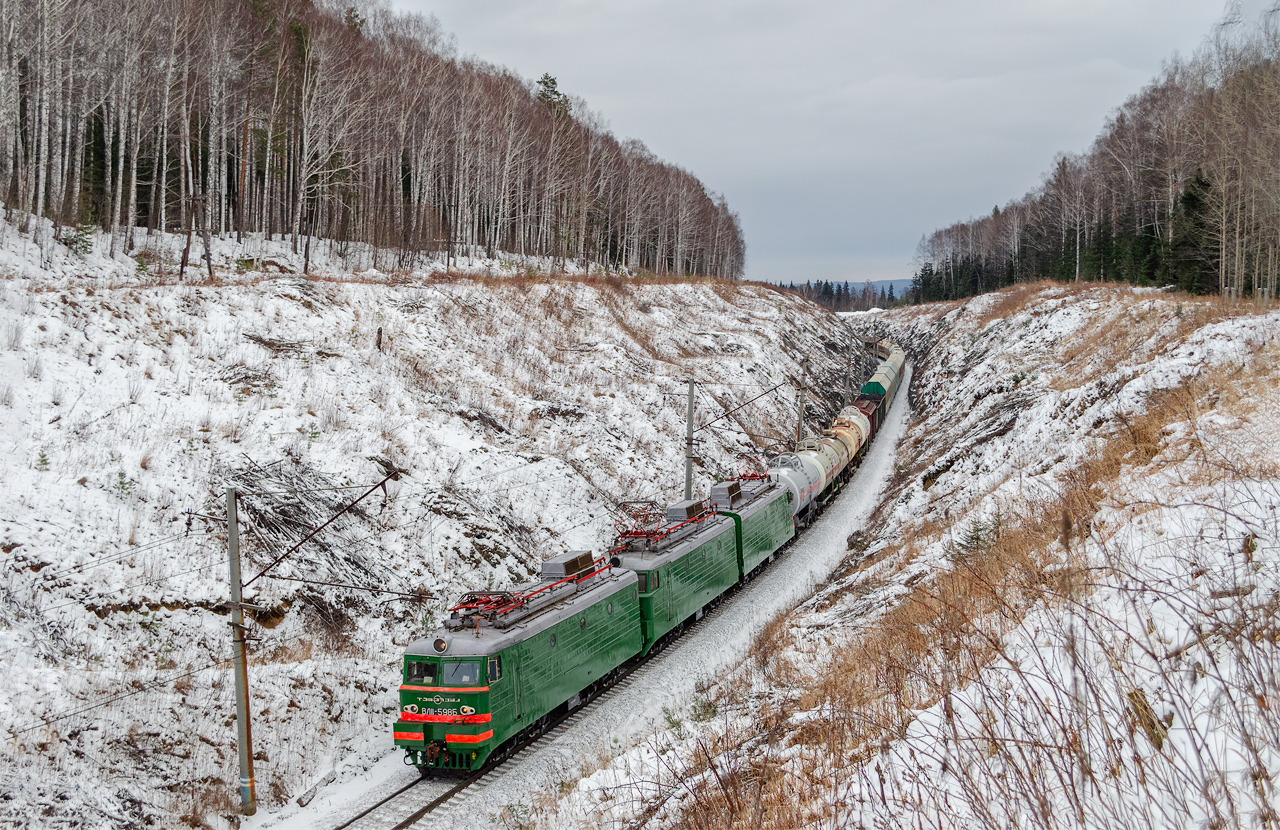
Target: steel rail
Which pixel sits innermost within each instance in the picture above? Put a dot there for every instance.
(392, 797)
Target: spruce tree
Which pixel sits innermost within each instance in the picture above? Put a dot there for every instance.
(549, 93)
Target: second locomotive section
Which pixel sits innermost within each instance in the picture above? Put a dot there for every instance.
(507, 662)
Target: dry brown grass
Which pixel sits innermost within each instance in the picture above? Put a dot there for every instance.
(292, 652)
(1013, 300)
(205, 800)
(1144, 326)
(937, 640)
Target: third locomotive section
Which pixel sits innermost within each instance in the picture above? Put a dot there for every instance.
(506, 663)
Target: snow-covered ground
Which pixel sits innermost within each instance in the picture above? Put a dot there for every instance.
(663, 691)
(38, 249)
(1062, 614)
(1055, 605)
(521, 409)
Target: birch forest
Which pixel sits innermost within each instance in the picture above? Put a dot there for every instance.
(295, 119)
(1181, 187)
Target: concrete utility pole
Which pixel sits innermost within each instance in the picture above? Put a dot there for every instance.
(848, 370)
(800, 415)
(688, 449)
(804, 378)
(248, 801)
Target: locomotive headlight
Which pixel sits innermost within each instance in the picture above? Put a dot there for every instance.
(440, 645)
(467, 710)
(411, 708)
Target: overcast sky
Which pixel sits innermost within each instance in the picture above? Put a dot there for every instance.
(842, 130)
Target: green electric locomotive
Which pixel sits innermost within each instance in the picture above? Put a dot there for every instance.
(682, 565)
(506, 660)
(762, 517)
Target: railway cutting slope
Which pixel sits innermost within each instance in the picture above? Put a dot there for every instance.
(520, 410)
(654, 699)
(1060, 614)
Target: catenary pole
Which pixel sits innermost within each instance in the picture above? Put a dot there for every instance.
(799, 415)
(248, 801)
(804, 380)
(848, 370)
(688, 449)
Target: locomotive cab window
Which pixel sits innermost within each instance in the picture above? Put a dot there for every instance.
(644, 583)
(495, 668)
(461, 674)
(420, 671)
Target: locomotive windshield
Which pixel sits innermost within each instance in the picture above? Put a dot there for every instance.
(420, 671)
(461, 674)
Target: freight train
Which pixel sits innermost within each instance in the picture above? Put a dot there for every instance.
(506, 663)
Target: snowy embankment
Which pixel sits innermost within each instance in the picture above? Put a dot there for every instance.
(521, 411)
(1062, 614)
(58, 254)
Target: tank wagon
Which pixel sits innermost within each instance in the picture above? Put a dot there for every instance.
(506, 663)
(877, 394)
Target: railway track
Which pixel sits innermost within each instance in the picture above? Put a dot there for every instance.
(412, 803)
(409, 805)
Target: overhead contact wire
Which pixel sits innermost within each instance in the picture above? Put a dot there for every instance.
(727, 413)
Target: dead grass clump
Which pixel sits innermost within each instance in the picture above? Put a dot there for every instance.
(775, 638)
(296, 651)
(1011, 301)
(206, 800)
(640, 335)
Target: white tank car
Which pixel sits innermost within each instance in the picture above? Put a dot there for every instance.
(825, 456)
(848, 439)
(799, 475)
(855, 419)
